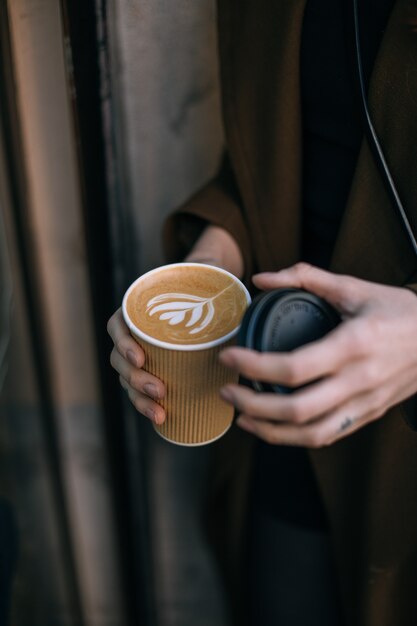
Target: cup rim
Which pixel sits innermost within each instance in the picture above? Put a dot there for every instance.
(175, 346)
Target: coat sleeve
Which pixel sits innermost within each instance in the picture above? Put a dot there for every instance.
(409, 406)
(217, 203)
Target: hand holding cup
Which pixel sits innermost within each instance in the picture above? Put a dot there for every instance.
(182, 315)
(145, 391)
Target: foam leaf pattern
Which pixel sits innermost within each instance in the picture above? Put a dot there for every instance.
(175, 307)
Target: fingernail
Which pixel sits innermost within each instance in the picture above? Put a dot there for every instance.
(131, 357)
(158, 418)
(226, 358)
(151, 390)
(226, 394)
(244, 424)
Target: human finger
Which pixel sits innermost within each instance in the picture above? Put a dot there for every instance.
(304, 405)
(137, 379)
(323, 434)
(343, 421)
(123, 340)
(344, 292)
(143, 404)
(324, 357)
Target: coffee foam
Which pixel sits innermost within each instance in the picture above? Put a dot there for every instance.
(186, 304)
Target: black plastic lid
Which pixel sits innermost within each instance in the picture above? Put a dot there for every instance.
(282, 320)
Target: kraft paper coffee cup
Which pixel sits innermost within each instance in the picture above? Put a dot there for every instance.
(182, 323)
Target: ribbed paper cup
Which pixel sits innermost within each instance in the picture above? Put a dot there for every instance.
(192, 375)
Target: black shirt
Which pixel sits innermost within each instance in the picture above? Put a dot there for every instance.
(284, 482)
(331, 121)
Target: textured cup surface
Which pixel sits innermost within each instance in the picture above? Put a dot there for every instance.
(182, 315)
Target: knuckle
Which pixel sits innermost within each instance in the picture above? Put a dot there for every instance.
(119, 346)
(122, 382)
(113, 356)
(112, 322)
(136, 401)
(371, 416)
(358, 340)
(377, 328)
(131, 395)
(109, 326)
(302, 268)
(248, 405)
(272, 438)
(355, 339)
(315, 439)
(370, 375)
(379, 412)
(128, 344)
(379, 399)
(350, 286)
(371, 329)
(328, 441)
(132, 379)
(256, 364)
(296, 413)
(292, 372)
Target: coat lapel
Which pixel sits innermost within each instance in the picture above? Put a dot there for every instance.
(372, 243)
(264, 133)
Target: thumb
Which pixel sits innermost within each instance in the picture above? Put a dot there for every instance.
(345, 293)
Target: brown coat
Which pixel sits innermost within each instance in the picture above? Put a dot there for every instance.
(368, 480)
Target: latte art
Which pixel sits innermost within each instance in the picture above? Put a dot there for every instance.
(179, 307)
(187, 304)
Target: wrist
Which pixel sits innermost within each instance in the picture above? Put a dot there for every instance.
(216, 246)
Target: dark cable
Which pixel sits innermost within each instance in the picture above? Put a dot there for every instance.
(373, 138)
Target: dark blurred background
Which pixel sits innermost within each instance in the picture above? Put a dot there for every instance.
(109, 118)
